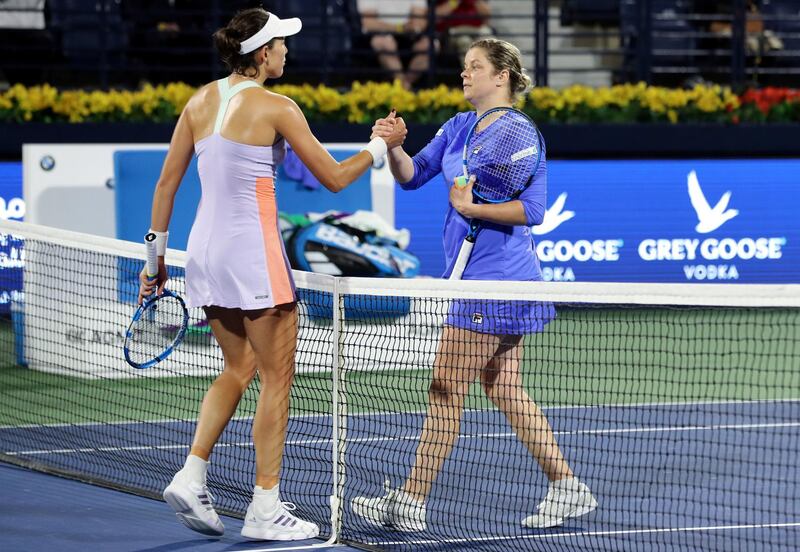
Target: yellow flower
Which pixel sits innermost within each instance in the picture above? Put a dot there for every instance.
(672, 115)
(363, 101)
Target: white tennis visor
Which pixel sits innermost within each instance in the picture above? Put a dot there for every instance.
(275, 27)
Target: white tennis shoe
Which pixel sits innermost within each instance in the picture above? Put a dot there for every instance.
(280, 524)
(395, 509)
(193, 505)
(566, 499)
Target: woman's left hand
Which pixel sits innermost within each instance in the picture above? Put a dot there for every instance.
(461, 197)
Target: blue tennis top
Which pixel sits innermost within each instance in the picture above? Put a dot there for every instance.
(501, 252)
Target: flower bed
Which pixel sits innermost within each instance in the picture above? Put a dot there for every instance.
(364, 102)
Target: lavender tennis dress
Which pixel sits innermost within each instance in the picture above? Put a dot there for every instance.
(235, 254)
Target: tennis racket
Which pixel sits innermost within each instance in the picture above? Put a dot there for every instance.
(502, 151)
(159, 324)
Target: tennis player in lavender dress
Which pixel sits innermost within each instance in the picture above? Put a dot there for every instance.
(236, 268)
(481, 338)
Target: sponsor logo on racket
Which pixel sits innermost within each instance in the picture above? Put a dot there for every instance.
(522, 154)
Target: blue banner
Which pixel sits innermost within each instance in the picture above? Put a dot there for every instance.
(672, 221)
(648, 221)
(12, 207)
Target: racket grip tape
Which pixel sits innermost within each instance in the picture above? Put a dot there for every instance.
(461, 262)
(152, 254)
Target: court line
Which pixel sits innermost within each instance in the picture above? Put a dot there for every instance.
(415, 412)
(593, 534)
(415, 437)
(323, 546)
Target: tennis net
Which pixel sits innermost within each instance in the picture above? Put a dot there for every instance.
(679, 405)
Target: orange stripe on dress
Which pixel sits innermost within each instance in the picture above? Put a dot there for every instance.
(268, 214)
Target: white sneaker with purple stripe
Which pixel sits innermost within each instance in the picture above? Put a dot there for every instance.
(566, 499)
(280, 524)
(396, 509)
(193, 505)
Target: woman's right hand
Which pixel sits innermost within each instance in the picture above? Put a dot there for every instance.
(391, 128)
(148, 286)
(383, 127)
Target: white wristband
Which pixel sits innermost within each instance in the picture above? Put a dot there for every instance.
(377, 148)
(161, 242)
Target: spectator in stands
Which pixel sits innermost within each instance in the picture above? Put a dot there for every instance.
(758, 39)
(461, 22)
(167, 35)
(24, 41)
(395, 28)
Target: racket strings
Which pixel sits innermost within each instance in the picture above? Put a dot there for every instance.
(503, 156)
(157, 329)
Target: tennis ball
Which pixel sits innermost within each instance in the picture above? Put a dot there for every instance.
(461, 181)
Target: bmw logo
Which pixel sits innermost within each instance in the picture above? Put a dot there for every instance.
(47, 163)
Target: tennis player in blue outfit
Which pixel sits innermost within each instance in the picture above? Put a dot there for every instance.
(481, 339)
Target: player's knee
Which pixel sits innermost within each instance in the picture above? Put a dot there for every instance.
(441, 391)
(488, 388)
(242, 373)
(498, 390)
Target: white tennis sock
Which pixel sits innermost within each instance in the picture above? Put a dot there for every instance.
(196, 468)
(266, 500)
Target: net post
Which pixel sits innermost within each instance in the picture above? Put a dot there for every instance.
(338, 414)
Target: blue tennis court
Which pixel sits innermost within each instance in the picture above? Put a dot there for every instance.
(45, 512)
(679, 475)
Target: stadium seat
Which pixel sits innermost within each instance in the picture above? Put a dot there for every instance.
(326, 37)
(89, 30)
(590, 12)
(673, 34)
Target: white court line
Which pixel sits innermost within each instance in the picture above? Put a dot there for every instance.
(415, 437)
(305, 547)
(414, 412)
(593, 534)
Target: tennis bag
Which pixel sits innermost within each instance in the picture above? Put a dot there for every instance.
(329, 246)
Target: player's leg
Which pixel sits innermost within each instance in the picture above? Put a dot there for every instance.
(222, 398)
(187, 493)
(459, 359)
(502, 382)
(273, 336)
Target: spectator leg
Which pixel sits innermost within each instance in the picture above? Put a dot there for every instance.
(420, 62)
(385, 46)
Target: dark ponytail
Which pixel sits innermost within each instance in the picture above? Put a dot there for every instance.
(228, 40)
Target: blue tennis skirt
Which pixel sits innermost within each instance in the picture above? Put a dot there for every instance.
(500, 317)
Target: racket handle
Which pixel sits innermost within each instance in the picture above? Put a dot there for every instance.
(461, 261)
(152, 254)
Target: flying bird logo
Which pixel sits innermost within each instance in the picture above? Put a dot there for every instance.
(709, 218)
(554, 217)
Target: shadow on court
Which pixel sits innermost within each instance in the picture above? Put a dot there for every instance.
(45, 512)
